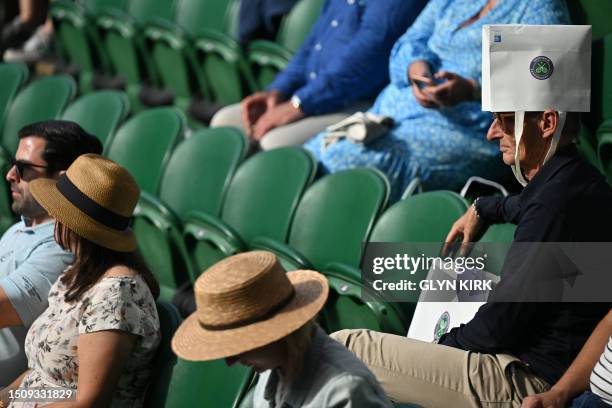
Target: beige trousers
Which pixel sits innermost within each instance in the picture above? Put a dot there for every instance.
(293, 134)
(436, 376)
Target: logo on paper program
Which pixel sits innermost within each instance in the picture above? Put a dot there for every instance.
(541, 67)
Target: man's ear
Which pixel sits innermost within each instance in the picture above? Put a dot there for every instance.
(548, 123)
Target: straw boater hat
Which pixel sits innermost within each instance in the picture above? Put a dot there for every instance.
(95, 198)
(245, 302)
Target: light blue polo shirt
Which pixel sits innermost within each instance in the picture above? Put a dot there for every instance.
(30, 262)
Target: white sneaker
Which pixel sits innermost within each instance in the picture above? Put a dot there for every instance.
(37, 46)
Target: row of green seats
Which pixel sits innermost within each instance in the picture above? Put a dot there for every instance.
(185, 50)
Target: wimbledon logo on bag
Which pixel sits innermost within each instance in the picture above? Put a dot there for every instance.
(541, 67)
(441, 326)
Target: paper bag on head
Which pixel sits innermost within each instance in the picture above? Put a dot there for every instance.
(533, 68)
(536, 67)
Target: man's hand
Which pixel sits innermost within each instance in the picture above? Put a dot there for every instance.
(454, 90)
(254, 106)
(549, 399)
(277, 116)
(468, 228)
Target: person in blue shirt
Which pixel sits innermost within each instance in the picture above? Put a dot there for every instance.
(434, 98)
(30, 259)
(341, 64)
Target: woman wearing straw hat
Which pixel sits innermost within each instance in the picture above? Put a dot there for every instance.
(249, 310)
(101, 329)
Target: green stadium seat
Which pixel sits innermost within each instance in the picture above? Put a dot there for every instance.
(404, 223)
(165, 360)
(42, 99)
(346, 308)
(173, 52)
(113, 106)
(79, 43)
(160, 242)
(270, 184)
(195, 178)
(334, 217)
(12, 78)
(144, 144)
(220, 58)
(268, 58)
(204, 384)
(123, 42)
(592, 12)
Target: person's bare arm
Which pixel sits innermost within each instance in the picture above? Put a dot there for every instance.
(5, 392)
(102, 356)
(576, 378)
(8, 314)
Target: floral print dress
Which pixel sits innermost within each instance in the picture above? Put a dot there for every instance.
(114, 303)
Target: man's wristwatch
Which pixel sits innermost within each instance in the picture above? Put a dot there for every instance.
(296, 102)
(475, 208)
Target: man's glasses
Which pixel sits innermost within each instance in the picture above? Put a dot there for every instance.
(22, 167)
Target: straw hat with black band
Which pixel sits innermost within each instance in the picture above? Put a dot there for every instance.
(245, 302)
(95, 198)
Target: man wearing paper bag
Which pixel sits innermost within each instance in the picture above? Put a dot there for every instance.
(535, 80)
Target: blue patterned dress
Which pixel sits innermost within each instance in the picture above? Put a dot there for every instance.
(442, 146)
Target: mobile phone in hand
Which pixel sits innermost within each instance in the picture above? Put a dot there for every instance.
(422, 81)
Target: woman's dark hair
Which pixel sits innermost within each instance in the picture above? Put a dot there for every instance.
(65, 142)
(91, 261)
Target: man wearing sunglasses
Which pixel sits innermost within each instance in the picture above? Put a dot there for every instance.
(30, 260)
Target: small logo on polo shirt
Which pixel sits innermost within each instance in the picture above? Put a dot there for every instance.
(441, 326)
(541, 67)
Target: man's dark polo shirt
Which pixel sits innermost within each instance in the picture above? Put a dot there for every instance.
(568, 200)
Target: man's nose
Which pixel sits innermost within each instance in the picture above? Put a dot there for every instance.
(11, 175)
(495, 131)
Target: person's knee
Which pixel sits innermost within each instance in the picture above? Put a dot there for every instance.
(349, 337)
(228, 116)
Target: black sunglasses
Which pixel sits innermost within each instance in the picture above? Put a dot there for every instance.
(22, 166)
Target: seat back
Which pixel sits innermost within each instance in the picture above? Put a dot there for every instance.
(200, 169)
(422, 222)
(296, 25)
(145, 10)
(203, 384)
(346, 309)
(12, 78)
(144, 144)
(158, 233)
(270, 184)
(113, 106)
(165, 360)
(425, 217)
(195, 15)
(336, 215)
(42, 99)
(592, 12)
(95, 6)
